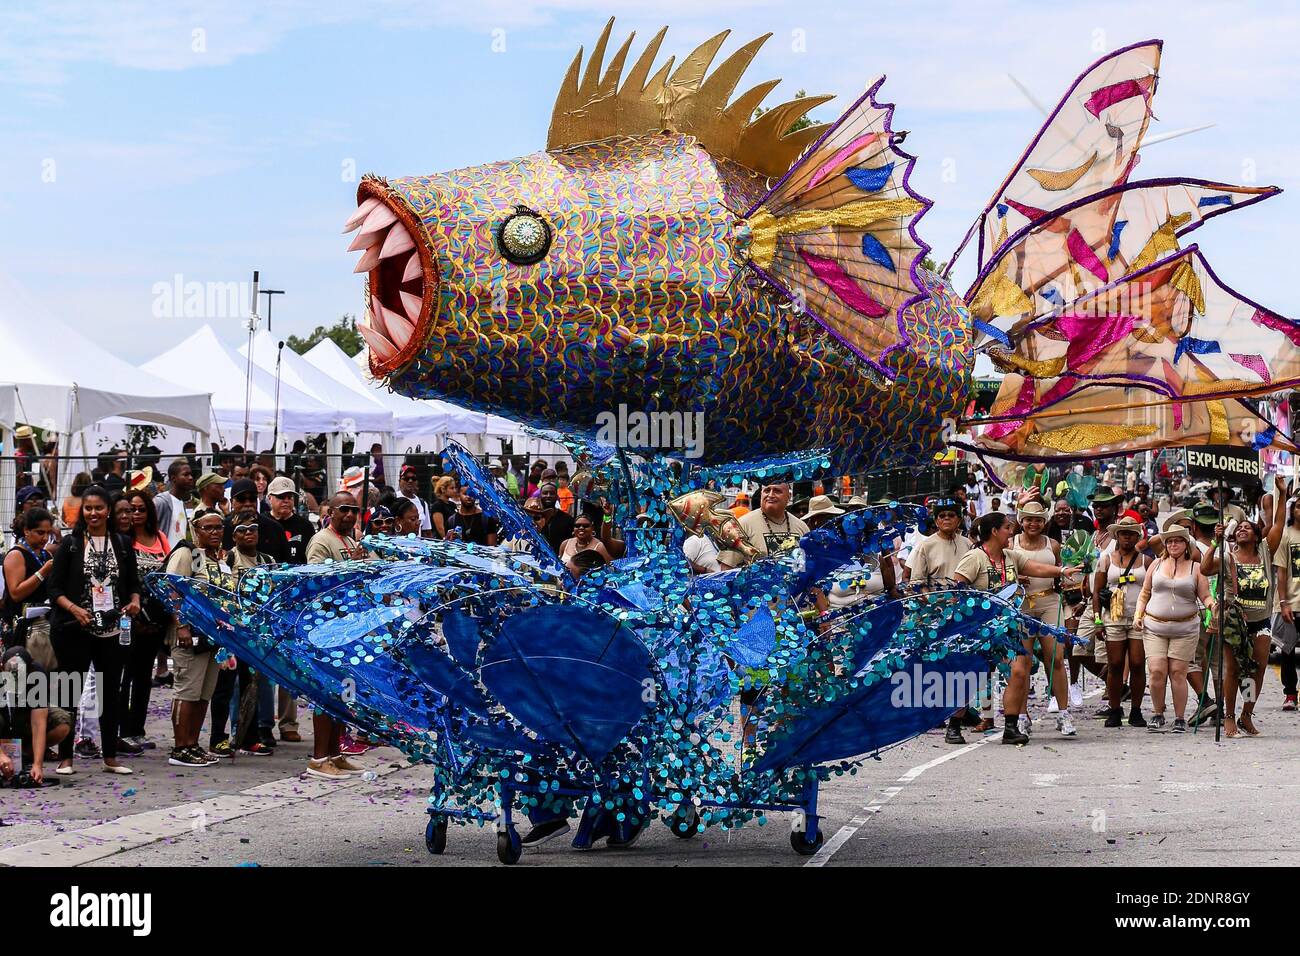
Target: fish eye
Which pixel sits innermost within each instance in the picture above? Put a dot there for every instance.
(524, 237)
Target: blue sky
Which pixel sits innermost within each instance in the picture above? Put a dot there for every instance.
(137, 149)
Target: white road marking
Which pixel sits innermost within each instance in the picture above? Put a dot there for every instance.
(846, 832)
(917, 771)
(77, 847)
(1046, 779)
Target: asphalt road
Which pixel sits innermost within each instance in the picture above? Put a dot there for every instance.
(1106, 797)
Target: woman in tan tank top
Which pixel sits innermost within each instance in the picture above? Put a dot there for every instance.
(1043, 601)
(1168, 617)
(1120, 574)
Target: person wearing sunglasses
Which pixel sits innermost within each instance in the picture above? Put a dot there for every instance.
(469, 523)
(408, 489)
(193, 657)
(243, 495)
(583, 551)
(381, 520)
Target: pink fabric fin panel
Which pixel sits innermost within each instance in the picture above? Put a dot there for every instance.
(1110, 95)
(1083, 254)
(1269, 321)
(1024, 402)
(833, 276)
(1029, 212)
(1090, 335)
(1059, 390)
(1255, 363)
(1173, 378)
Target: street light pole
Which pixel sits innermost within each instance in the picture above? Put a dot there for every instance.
(268, 293)
(251, 323)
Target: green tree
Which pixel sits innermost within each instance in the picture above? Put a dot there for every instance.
(343, 332)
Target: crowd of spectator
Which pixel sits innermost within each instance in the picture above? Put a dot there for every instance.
(74, 603)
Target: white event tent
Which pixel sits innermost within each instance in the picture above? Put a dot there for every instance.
(472, 429)
(358, 412)
(55, 379)
(207, 362)
(413, 421)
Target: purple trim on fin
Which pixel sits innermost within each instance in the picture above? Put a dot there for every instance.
(981, 451)
(1159, 44)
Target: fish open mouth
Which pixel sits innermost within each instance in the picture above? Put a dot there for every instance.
(397, 259)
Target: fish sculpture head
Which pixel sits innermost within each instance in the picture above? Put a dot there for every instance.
(674, 256)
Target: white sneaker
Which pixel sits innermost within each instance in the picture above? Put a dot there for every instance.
(1052, 706)
(1065, 724)
(1076, 695)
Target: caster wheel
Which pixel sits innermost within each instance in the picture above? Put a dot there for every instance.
(800, 844)
(684, 825)
(509, 847)
(435, 835)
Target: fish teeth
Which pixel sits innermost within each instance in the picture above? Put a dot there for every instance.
(413, 269)
(359, 216)
(383, 349)
(363, 240)
(369, 260)
(399, 240)
(377, 318)
(399, 326)
(379, 217)
(413, 305)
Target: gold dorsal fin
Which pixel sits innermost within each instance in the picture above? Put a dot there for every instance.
(591, 106)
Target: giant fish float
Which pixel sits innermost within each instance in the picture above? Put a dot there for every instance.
(675, 251)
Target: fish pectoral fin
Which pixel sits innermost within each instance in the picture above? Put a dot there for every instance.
(835, 236)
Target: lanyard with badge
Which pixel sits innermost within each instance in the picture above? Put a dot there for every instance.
(101, 585)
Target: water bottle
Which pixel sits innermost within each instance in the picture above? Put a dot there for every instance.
(124, 631)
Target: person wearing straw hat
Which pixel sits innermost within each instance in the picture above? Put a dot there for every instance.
(860, 579)
(821, 509)
(1170, 624)
(140, 480)
(1203, 526)
(1117, 586)
(935, 558)
(1044, 601)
